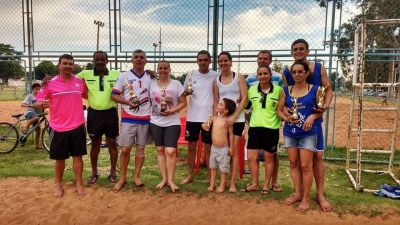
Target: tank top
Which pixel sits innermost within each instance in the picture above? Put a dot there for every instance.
(231, 91)
(305, 109)
(314, 79)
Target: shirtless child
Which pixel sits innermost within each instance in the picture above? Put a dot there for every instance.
(220, 149)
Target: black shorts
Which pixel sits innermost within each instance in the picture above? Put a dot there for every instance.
(263, 138)
(68, 143)
(101, 122)
(165, 136)
(238, 128)
(193, 130)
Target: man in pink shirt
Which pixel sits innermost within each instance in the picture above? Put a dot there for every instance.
(63, 95)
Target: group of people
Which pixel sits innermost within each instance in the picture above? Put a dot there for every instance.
(150, 107)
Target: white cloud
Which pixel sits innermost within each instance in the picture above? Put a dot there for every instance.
(255, 26)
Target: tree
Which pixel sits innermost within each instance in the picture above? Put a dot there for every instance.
(77, 69)
(180, 78)
(9, 51)
(324, 3)
(10, 66)
(45, 68)
(332, 79)
(378, 37)
(10, 69)
(89, 66)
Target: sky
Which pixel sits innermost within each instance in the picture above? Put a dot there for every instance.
(68, 26)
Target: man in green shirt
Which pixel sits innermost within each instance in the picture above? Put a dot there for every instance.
(102, 115)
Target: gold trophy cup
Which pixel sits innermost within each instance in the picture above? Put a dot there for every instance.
(163, 100)
(206, 126)
(132, 95)
(209, 121)
(321, 97)
(189, 89)
(295, 114)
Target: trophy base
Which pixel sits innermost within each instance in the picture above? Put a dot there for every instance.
(163, 109)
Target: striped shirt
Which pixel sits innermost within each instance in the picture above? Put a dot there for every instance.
(140, 84)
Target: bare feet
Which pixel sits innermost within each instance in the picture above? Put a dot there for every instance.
(58, 192)
(276, 188)
(211, 188)
(119, 185)
(161, 185)
(293, 198)
(232, 189)
(249, 188)
(138, 182)
(173, 187)
(220, 189)
(324, 204)
(80, 190)
(304, 205)
(187, 180)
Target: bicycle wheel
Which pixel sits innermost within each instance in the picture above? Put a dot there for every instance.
(46, 138)
(9, 138)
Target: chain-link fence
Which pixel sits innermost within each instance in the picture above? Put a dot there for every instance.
(176, 30)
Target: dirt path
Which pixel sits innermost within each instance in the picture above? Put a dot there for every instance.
(29, 201)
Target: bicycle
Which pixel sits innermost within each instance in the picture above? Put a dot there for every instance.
(10, 137)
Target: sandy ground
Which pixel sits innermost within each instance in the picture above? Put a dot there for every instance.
(29, 201)
(372, 120)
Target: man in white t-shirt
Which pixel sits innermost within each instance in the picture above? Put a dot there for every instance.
(199, 109)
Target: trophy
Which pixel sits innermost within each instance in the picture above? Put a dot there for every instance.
(163, 100)
(206, 126)
(295, 114)
(209, 121)
(321, 97)
(132, 95)
(189, 90)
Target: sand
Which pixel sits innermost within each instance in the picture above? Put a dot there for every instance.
(29, 201)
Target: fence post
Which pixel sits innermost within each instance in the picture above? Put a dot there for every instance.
(30, 36)
(115, 35)
(330, 66)
(215, 34)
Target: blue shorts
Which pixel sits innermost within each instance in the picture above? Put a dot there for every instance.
(309, 142)
(320, 138)
(29, 115)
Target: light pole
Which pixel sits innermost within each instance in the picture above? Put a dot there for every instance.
(155, 56)
(99, 24)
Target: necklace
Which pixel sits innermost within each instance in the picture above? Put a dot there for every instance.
(163, 84)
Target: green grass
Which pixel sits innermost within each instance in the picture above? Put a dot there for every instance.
(25, 161)
(11, 93)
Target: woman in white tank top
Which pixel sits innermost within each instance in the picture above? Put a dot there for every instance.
(232, 86)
